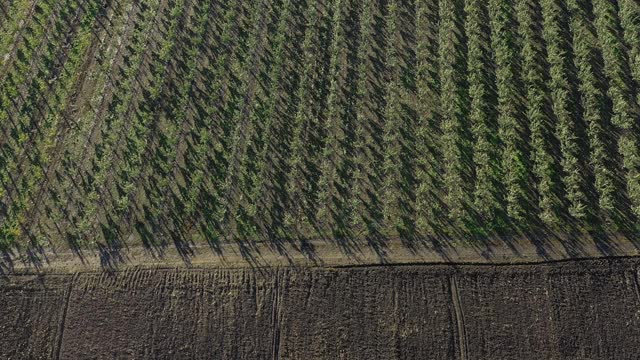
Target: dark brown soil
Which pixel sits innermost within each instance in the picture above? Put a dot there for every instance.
(586, 309)
(32, 315)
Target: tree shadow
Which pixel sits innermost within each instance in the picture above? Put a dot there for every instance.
(6, 262)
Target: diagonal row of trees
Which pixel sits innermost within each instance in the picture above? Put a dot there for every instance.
(272, 120)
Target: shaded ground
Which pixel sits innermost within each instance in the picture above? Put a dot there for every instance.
(585, 309)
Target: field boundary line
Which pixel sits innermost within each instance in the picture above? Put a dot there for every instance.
(275, 316)
(259, 268)
(64, 316)
(636, 285)
(459, 313)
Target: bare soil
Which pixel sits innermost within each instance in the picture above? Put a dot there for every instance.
(578, 309)
(314, 253)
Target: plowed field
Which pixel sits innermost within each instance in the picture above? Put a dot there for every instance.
(586, 309)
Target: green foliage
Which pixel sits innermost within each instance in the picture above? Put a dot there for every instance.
(365, 203)
(595, 111)
(629, 12)
(456, 144)
(546, 169)
(625, 108)
(334, 168)
(511, 128)
(305, 146)
(399, 114)
(565, 108)
(336, 119)
(429, 206)
(488, 201)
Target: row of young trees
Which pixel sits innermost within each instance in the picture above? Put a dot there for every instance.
(69, 201)
(20, 94)
(37, 109)
(266, 199)
(487, 196)
(207, 156)
(306, 141)
(364, 201)
(621, 91)
(545, 167)
(196, 157)
(246, 119)
(113, 127)
(335, 167)
(331, 118)
(596, 111)
(147, 128)
(430, 209)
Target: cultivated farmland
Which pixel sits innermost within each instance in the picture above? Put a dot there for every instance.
(320, 179)
(172, 122)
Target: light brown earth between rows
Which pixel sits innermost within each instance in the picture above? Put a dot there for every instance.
(323, 253)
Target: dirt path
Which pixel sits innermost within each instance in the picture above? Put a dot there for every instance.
(323, 253)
